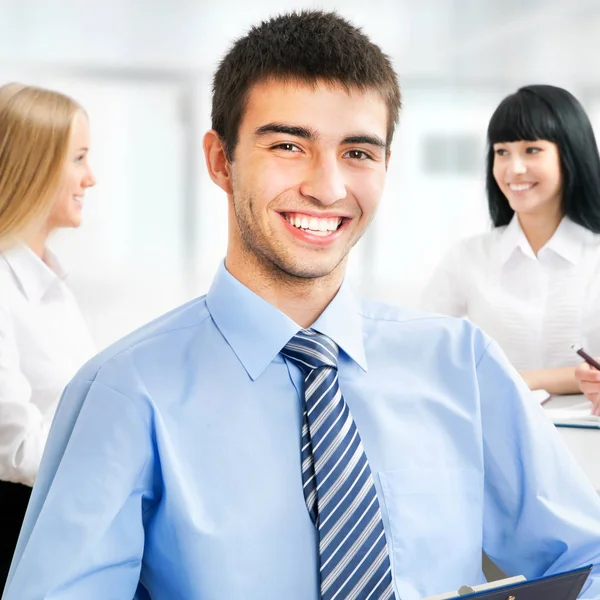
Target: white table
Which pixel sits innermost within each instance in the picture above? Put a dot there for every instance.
(583, 443)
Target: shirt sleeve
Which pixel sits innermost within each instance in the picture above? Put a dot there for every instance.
(446, 292)
(23, 428)
(541, 513)
(83, 535)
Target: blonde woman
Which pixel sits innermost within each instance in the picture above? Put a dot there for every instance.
(44, 173)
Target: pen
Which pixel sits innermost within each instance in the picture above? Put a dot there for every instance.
(588, 359)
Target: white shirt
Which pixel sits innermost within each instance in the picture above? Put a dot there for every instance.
(43, 342)
(536, 308)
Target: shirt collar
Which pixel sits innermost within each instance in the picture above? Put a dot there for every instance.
(34, 275)
(568, 240)
(513, 238)
(257, 331)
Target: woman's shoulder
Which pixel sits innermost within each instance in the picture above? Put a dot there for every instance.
(479, 245)
(6, 275)
(6, 284)
(9, 285)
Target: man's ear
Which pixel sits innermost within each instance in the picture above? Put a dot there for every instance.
(219, 168)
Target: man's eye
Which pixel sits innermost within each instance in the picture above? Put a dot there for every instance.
(287, 147)
(358, 154)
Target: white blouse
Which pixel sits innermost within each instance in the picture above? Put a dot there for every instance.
(43, 342)
(536, 308)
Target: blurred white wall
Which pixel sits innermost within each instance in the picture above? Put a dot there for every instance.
(155, 226)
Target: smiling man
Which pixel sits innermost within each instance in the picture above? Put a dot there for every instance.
(303, 182)
(277, 439)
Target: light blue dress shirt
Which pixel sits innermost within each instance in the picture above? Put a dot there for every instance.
(173, 460)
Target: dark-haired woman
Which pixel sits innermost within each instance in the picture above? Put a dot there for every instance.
(533, 282)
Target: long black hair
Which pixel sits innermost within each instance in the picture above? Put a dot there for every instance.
(546, 112)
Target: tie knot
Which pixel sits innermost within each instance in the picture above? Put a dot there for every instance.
(310, 350)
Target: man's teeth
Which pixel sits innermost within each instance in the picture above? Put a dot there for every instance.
(314, 224)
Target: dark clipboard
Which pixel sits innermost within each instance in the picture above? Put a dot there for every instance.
(579, 425)
(562, 586)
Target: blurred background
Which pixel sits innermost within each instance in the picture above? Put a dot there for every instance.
(155, 225)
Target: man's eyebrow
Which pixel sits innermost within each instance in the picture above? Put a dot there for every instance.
(372, 140)
(293, 130)
(310, 134)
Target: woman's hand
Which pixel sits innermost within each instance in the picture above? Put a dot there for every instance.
(589, 383)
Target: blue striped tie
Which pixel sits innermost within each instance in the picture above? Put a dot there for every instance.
(338, 486)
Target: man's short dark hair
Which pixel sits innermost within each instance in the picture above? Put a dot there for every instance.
(308, 47)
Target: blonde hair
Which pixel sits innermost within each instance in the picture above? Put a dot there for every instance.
(35, 127)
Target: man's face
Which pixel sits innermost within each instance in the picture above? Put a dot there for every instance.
(307, 175)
